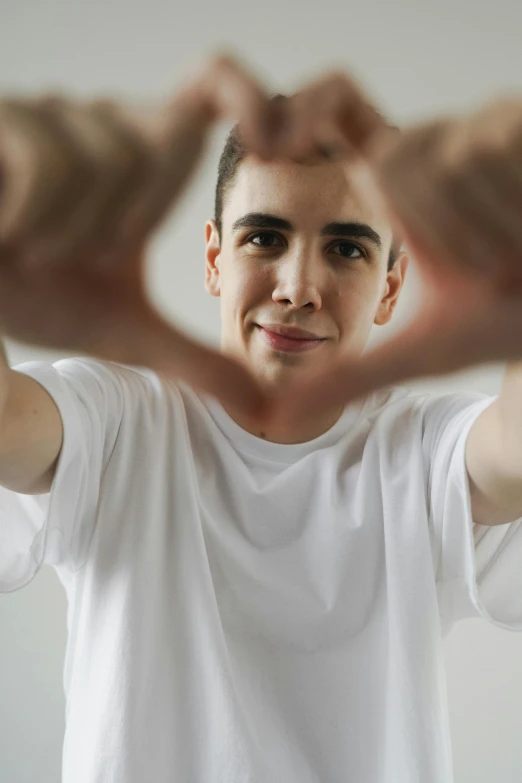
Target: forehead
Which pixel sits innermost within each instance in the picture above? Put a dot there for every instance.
(308, 195)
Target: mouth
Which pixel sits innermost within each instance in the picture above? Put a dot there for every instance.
(289, 338)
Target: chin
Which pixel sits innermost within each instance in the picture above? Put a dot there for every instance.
(277, 374)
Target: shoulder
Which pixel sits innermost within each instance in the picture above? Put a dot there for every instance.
(406, 411)
(397, 400)
(95, 373)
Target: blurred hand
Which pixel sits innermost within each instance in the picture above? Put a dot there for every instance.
(453, 188)
(82, 188)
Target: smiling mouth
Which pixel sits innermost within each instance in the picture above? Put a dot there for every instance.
(287, 343)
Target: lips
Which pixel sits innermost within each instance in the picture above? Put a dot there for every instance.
(294, 332)
(289, 338)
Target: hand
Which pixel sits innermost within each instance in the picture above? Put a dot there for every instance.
(454, 191)
(83, 186)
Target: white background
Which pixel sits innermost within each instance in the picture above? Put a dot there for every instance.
(417, 59)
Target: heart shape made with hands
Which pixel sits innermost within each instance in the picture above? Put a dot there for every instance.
(84, 186)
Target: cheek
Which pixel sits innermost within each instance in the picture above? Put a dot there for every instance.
(246, 284)
(354, 304)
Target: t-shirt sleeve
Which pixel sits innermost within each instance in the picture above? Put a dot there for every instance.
(479, 568)
(55, 528)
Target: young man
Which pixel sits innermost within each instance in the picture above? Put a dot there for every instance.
(248, 600)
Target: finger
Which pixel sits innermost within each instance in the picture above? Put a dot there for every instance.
(72, 179)
(226, 88)
(477, 183)
(331, 115)
(430, 211)
(296, 139)
(121, 161)
(459, 197)
(414, 179)
(222, 89)
(34, 168)
(312, 130)
(125, 163)
(497, 195)
(352, 112)
(167, 350)
(83, 169)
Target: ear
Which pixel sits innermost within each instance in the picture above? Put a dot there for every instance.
(212, 251)
(394, 283)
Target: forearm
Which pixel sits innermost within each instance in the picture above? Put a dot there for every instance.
(510, 412)
(494, 455)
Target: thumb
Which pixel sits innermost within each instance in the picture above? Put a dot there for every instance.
(420, 350)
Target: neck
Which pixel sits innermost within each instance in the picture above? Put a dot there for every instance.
(299, 433)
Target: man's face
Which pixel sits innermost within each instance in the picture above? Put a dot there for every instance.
(301, 268)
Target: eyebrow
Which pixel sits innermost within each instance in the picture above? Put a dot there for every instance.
(336, 229)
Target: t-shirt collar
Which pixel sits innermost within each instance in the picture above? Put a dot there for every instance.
(281, 452)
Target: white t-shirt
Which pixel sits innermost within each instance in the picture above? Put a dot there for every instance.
(248, 612)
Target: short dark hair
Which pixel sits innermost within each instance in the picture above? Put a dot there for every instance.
(232, 155)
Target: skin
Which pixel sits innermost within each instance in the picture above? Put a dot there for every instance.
(334, 286)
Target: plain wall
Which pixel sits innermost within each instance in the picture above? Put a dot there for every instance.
(418, 59)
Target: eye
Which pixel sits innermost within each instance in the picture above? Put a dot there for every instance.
(265, 239)
(347, 249)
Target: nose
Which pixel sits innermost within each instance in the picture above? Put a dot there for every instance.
(299, 281)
